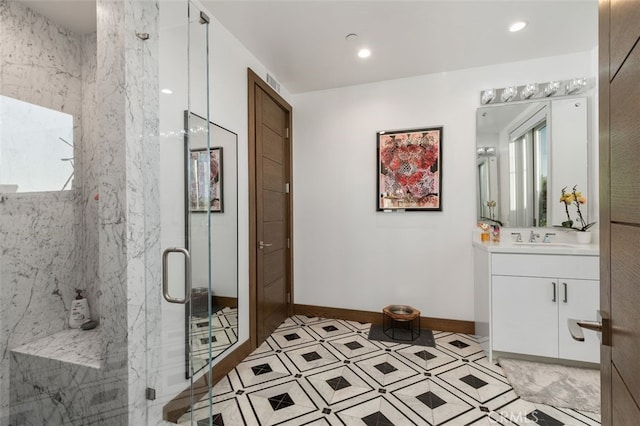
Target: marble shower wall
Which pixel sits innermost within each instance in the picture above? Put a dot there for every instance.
(39, 232)
(129, 214)
(108, 246)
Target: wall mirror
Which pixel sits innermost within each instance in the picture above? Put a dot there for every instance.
(526, 153)
(212, 313)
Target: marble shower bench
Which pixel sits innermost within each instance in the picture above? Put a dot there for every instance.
(73, 346)
(62, 379)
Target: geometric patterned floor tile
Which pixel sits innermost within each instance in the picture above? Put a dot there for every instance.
(261, 370)
(281, 402)
(329, 329)
(431, 401)
(386, 369)
(311, 357)
(376, 411)
(339, 384)
(354, 346)
(289, 338)
(325, 372)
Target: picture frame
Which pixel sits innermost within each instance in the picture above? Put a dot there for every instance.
(205, 180)
(409, 170)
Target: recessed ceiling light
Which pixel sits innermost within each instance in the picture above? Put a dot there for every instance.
(517, 26)
(167, 91)
(364, 53)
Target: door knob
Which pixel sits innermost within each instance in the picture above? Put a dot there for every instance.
(600, 326)
(576, 326)
(263, 245)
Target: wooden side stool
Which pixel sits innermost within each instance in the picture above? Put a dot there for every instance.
(401, 317)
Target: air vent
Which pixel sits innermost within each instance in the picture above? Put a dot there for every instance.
(273, 83)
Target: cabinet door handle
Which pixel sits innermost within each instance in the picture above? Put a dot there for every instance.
(565, 292)
(554, 292)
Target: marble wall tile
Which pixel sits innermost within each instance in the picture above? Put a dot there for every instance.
(129, 202)
(38, 268)
(39, 232)
(39, 54)
(65, 393)
(110, 246)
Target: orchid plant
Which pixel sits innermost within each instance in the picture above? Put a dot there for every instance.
(574, 197)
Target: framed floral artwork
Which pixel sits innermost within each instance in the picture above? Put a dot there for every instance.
(410, 170)
(205, 180)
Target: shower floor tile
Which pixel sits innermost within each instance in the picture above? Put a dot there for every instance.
(316, 371)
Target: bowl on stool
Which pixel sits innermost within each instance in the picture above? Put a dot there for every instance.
(401, 320)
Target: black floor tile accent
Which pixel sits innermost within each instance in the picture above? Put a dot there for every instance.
(338, 383)
(292, 336)
(377, 419)
(385, 368)
(354, 345)
(261, 369)
(431, 400)
(281, 401)
(458, 344)
(474, 381)
(311, 356)
(426, 355)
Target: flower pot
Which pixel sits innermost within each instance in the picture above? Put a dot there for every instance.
(583, 237)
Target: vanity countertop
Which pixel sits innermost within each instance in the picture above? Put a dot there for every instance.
(540, 248)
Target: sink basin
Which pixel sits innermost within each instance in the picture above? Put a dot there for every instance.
(543, 245)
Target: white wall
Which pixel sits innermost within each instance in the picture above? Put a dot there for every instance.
(229, 61)
(347, 255)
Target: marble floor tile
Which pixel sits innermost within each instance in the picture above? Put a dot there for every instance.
(325, 372)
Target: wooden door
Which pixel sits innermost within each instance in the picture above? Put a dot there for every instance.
(270, 148)
(620, 208)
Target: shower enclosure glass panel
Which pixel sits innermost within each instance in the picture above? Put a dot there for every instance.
(184, 86)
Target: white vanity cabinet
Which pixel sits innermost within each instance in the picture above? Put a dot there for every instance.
(530, 297)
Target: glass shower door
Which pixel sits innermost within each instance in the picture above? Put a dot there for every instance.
(186, 192)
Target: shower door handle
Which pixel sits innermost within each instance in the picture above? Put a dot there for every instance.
(187, 275)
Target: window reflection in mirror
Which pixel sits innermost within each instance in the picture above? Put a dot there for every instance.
(36, 148)
(528, 172)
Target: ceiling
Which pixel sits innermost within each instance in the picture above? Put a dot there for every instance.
(303, 42)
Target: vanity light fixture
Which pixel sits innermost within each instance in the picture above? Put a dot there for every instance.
(517, 26)
(487, 96)
(508, 93)
(552, 88)
(535, 90)
(575, 85)
(529, 90)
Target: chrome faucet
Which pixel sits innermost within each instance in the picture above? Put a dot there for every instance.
(533, 236)
(518, 236)
(546, 237)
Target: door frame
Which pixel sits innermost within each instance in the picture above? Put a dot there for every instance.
(605, 203)
(254, 82)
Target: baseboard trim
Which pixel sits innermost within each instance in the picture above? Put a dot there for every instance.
(179, 405)
(439, 324)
